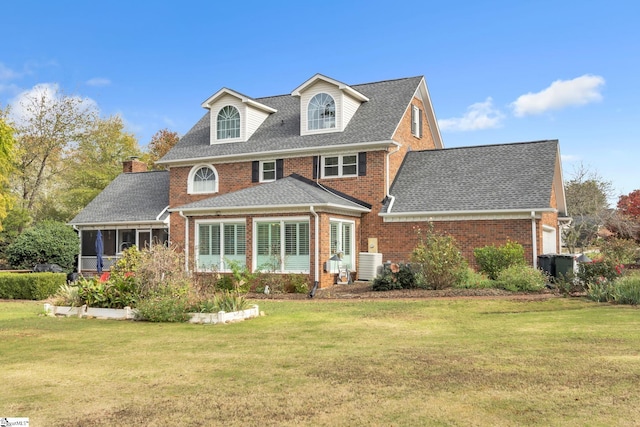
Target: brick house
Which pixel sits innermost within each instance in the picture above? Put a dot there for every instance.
(284, 183)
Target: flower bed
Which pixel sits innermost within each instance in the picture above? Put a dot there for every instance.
(129, 314)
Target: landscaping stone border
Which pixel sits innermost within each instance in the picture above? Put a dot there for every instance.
(128, 313)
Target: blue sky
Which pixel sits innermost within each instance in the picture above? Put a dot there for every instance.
(497, 71)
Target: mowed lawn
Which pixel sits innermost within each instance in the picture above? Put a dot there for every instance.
(440, 362)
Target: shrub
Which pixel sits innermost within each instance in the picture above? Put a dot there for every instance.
(163, 307)
(109, 291)
(68, 294)
(296, 284)
(161, 269)
(598, 271)
(385, 281)
(599, 292)
(493, 259)
(31, 286)
(49, 242)
(521, 278)
(437, 261)
(626, 290)
(476, 280)
(620, 251)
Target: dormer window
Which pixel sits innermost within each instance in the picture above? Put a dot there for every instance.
(322, 112)
(203, 179)
(228, 124)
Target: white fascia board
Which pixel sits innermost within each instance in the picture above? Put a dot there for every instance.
(266, 208)
(431, 115)
(243, 98)
(342, 86)
(558, 183)
(438, 215)
(286, 153)
(121, 224)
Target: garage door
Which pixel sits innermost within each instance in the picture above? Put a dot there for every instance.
(548, 240)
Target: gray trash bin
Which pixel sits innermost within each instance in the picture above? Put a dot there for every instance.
(564, 266)
(547, 263)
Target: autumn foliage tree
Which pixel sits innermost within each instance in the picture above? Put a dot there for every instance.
(161, 142)
(629, 205)
(625, 223)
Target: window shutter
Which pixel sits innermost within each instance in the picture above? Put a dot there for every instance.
(279, 168)
(419, 123)
(255, 171)
(315, 167)
(413, 120)
(362, 164)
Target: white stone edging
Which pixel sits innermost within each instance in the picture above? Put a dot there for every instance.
(129, 313)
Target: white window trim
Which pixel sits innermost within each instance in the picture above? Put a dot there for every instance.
(192, 175)
(196, 242)
(417, 118)
(281, 220)
(322, 130)
(215, 126)
(275, 170)
(340, 166)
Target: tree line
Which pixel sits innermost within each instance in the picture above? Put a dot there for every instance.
(56, 154)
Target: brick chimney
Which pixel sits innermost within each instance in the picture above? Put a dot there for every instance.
(133, 165)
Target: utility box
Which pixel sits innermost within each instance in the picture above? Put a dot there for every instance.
(368, 265)
(372, 245)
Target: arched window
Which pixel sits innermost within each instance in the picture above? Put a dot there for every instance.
(228, 123)
(203, 179)
(322, 112)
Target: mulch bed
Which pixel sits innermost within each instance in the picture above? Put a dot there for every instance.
(362, 290)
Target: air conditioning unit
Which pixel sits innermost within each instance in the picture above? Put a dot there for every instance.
(368, 265)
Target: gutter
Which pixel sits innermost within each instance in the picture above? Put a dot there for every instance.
(469, 212)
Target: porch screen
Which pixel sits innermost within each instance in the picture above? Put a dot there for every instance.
(219, 244)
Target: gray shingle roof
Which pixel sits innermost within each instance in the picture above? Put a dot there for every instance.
(375, 120)
(131, 197)
(491, 177)
(292, 190)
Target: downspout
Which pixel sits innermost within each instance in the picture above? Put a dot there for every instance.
(316, 245)
(186, 241)
(534, 240)
(388, 178)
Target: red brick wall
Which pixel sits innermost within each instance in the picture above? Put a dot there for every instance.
(399, 238)
(133, 165)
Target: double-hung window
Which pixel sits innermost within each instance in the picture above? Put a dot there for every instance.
(282, 245)
(268, 171)
(340, 166)
(220, 244)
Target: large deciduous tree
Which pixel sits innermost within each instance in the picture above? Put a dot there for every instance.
(625, 223)
(48, 124)
(7, 143)
(94, 163)
(587, 197)
(161, 142)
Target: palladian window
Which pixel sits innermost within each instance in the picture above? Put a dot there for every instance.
(322, 112)
(228, 123)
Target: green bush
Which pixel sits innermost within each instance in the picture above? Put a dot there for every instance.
(599, 292)
(395, 276)
(493, 259)
(47, 242)
(476, 280)
(437, 261)
(521, 278)
(31, 286)
(296, 284)
(619, 251)
(109, 291)
(626, 290)
(599, 271)
(163, 307)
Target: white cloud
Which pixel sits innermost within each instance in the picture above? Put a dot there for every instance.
(7, 73)
(98, 81)
(481, 115)
(562, 93)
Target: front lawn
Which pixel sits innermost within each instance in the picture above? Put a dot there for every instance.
(482, 362)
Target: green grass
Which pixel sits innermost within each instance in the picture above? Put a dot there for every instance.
(471, 362)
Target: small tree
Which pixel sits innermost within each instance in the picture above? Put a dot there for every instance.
(438, 261)
(47, 242)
